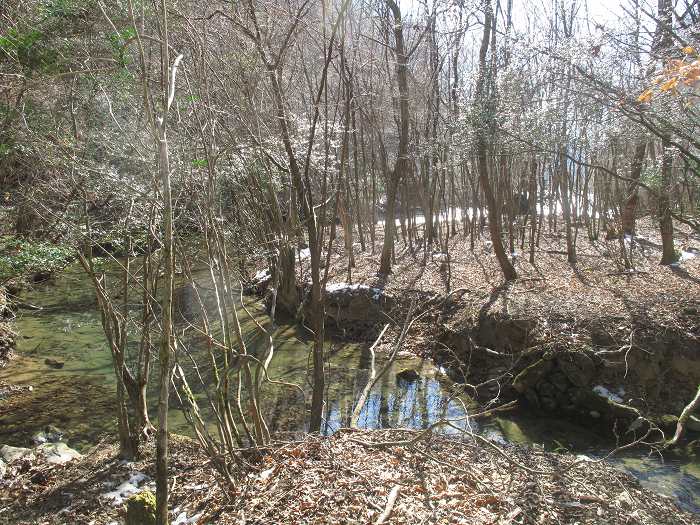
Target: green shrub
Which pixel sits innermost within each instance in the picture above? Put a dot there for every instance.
(21, 258)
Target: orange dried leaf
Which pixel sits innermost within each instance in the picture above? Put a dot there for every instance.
(691, 74)
(688, 50)
(669, 84)
(645, 97)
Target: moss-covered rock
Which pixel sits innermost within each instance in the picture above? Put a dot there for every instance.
(667, 422)
(141, 509)
(54, 363)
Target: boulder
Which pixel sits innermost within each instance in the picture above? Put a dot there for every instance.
(3, 469)
(547, 394)
(54, 363)
(348, 303)
(141, 509)
(532, 375)
(409, 375)
(513, 432)
(57, 453)
(588, 400)
(50, 434)
(559, 380)
(532, 398)
(667, 422)
(578, 368)
(353, 311)
(11, 454)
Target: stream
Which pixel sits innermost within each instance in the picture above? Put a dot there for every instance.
(79, 397)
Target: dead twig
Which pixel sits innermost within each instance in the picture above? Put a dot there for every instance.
(390, 501)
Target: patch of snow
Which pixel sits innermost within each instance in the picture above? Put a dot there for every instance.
(604, 392)
(346, 287)
(182, 519)
(440, 257)
(458, 213)
(200, 486)
(127, 489)
(265, 474)
(262, 275)
(337, 287)
(687, 255)
(305, 253)
(58, 453)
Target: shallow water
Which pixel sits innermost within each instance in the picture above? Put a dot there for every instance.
(79, 398)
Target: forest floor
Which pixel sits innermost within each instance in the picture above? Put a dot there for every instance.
(385, 476)
(597, 285)
(627, 317)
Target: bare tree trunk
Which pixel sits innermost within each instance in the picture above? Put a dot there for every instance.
(664, 44)
(482, 98)
(566, 206)
(665, 220)
(630, 207)
(402, 162)
(167, 341)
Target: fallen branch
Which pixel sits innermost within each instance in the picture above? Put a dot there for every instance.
(372, 380)
(390, 501)
(682, 421)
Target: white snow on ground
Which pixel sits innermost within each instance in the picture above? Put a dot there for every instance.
(262, 275)
(182, 518)
(687, 255)
(346, 287)
(457, 214)
(127, 489)
(604, 392)
(305, 253)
